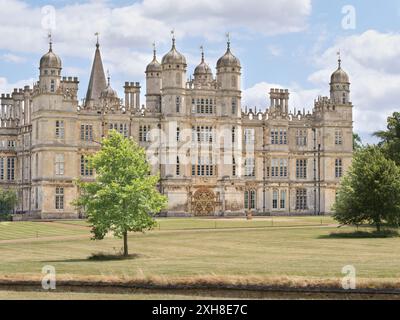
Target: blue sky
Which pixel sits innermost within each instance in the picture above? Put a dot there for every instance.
(288, 43)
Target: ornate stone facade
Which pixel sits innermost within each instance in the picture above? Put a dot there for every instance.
(215, 157)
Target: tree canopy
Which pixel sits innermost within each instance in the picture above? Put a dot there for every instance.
(8, 201)
(370, 192)
(124, 197)
(390, 139)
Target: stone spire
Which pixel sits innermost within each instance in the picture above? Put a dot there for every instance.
(97, 83)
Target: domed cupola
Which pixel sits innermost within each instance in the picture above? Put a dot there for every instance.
(340, 76)
(154, 66)
(228, 60)
(50, 60)
(109, 92)
(340, 85)
(203, 69)
(173, 57)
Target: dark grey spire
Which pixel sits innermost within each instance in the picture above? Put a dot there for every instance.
(97, 83)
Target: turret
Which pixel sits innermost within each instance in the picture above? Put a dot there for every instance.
(173, 82)
(153, 84)
(50, 72)
(340, 86)
(229, 81)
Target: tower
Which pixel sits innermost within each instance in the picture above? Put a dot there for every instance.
(340, 85)
(50, 71)
(229, 82)
(54, 124)
(154, 83)
(174, 68)
(203, 73)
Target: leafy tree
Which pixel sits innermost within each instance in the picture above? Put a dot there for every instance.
(124, 197)
(370, 192)
(390, 139)
(357, 142)
(8, 201)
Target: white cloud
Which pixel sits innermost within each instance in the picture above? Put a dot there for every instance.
(6, 86)
(9, 57)
(371, 60)
(258, 95)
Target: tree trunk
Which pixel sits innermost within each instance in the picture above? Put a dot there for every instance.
(126, 253)
(378, 226)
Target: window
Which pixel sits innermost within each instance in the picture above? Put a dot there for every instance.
(86, 170)
(233, 134)
(282, 137)
(87, 133)
(301, 199)
(234, 106)
(178, 134)
(60, 129)
(144, 133)
(301, 169)
(59, 165)
(250, 167)
(12, 144)
(249, 136)
(205, 167)
(283, 199)
(178, 167)
(274, 137)
(204, 105)
(279, 168)
(338, 168)
(122, 128)
(338, 138)
(1, 168)
(59, 199)
(203, 134)
(10, 169)
(234, 167)
(301, 138)
(250, 200)
(178, 104)
(283, 168)
(52, 86)
(275, 195)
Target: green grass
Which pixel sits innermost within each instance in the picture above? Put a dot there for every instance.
(249, 248)
(29, 230)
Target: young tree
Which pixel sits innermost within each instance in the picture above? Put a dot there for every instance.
(370, 192)
(390, 139)
(8, 201)
(124, 196)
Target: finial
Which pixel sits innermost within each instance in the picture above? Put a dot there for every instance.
(173, 38)
(154, 51)
(50, 37)
(339, 59)
(108, 77)
(97, 36)
(202, 53)
(228, 38)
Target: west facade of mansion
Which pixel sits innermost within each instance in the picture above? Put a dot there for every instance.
(215, 157)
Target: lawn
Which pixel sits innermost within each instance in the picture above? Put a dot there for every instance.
(201, 247)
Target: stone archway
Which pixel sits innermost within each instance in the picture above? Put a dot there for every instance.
(204, 203)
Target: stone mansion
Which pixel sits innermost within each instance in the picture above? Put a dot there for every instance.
(215, 157)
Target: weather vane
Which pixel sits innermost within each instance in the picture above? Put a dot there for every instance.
(97, 36)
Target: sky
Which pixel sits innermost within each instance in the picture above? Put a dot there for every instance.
(289, 44)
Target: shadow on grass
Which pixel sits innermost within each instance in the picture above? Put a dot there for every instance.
(99, 257)
(362, 235)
